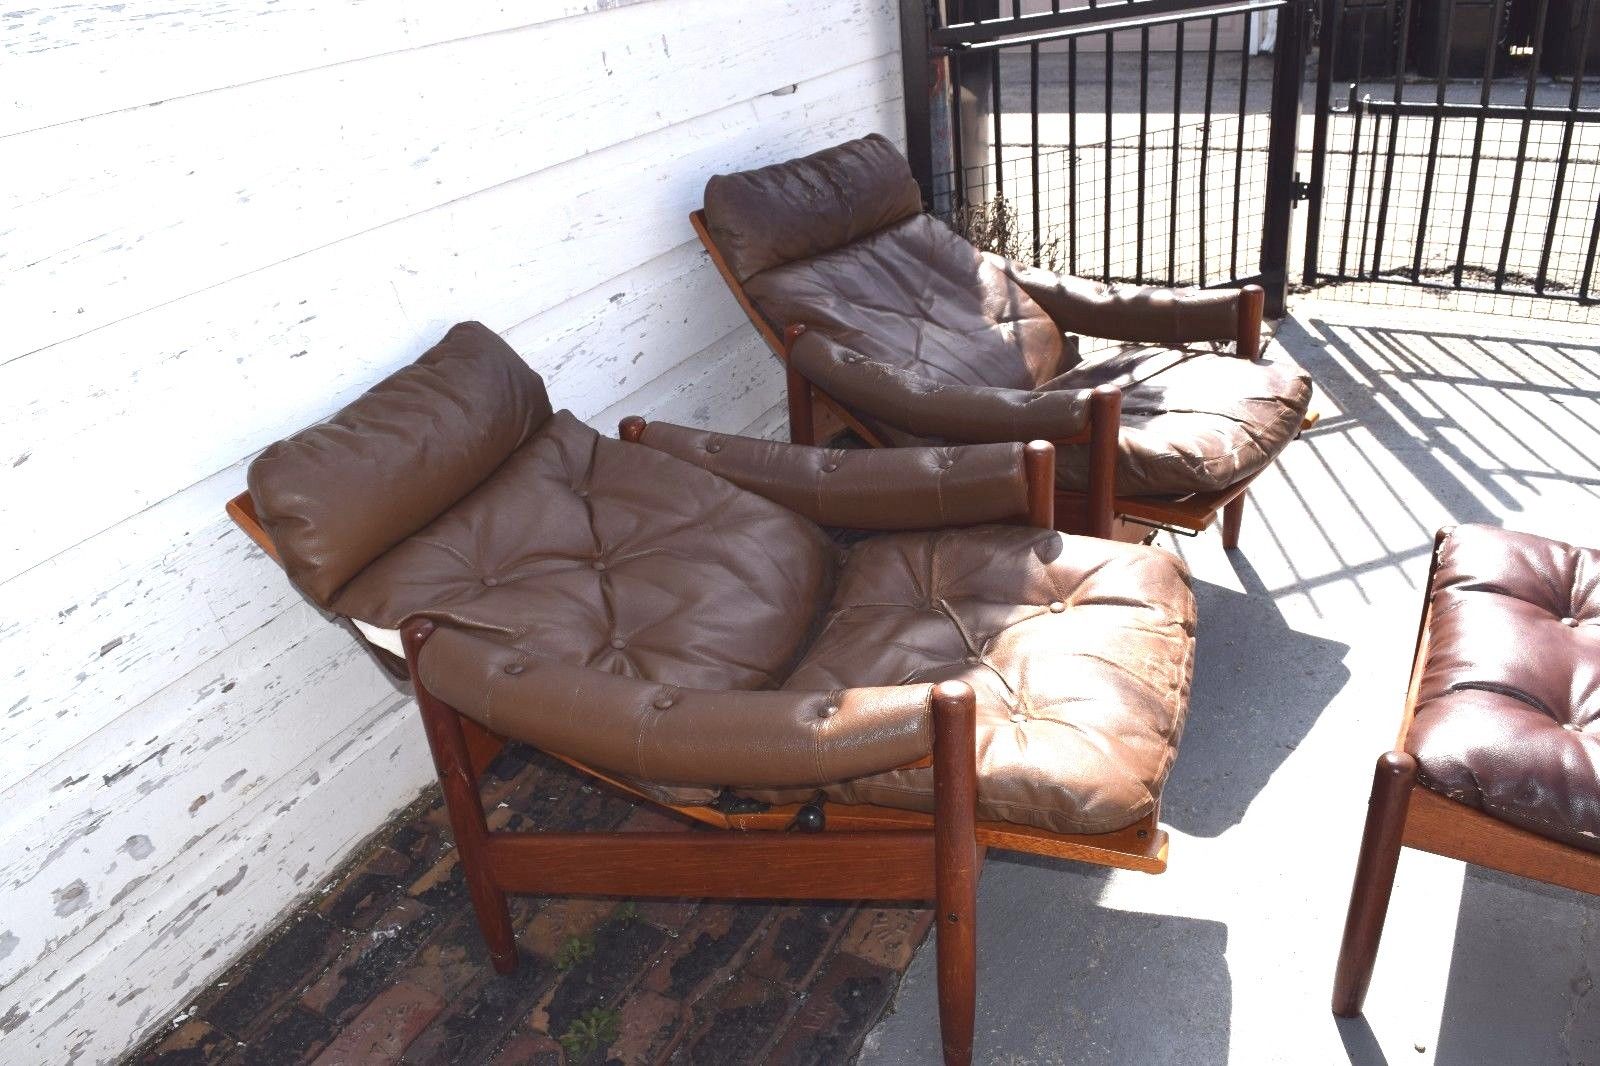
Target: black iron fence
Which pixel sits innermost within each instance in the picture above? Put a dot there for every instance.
(1454, 144)
(1178, 202)
(1457, 147)
(1132, 140)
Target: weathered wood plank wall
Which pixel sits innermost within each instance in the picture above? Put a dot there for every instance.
(221, 220)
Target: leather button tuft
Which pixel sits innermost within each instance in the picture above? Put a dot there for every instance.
(618, 643)
(713, 445)
(972, 659)
(946, 464)
(582, 494)
(1569, 621)
(598, 565)
(491, 582)
(1019, 718)
(661, 703)
(828, 468)
(1572, 727)
(828, 711)
(1057, 607)
(514, 668)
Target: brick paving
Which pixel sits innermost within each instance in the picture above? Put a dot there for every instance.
(385, 964)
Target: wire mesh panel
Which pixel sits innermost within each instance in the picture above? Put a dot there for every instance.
(1200, 180)
(1525, 236)
(1465, 156)
(1125, 141)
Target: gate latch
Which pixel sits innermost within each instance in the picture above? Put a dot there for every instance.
(1301, 189)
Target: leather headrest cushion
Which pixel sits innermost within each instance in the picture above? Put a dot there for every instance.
(805, 207)
(336, 496)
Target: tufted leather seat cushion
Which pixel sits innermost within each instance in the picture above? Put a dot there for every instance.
(1508, 709)
(1080, 650)
(1192, 420)
(597, 553)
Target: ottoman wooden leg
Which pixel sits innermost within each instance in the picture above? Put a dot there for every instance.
(1232, 517)
(1392, 783)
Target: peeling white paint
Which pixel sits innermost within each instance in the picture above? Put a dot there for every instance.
(323, 189)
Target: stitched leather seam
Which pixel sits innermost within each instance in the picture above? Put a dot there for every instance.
(448, 549)
(493, 689)
(646, 727)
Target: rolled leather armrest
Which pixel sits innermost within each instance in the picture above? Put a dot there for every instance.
(676, 736)
(1131, 313)
(971, 414)
(862, 488)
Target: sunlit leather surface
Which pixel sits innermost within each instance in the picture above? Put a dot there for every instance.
(1509, 704)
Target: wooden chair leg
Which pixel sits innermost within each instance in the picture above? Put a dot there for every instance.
(955, 844)
(1105, 418)
(1232, 518)
(1392, 783)
(802, 414)
(453, 760)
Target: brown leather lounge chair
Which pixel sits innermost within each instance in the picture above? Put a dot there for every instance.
(910, 335)
(666, 612)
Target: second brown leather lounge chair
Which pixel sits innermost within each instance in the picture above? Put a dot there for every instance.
(667, 613)
(912, 336)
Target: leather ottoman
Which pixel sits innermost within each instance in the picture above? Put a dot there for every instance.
(1501, 730)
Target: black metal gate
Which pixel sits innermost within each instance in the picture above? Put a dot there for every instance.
(1131, 140)
(1456, 146)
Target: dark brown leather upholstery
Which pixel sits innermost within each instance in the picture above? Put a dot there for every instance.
(909, 408)
(883, 489)
(1509, 700)
(934, 322)
(1130, 312)
(657, 619)
(609, 555)
(823, 201)
(917, 297)
(327, 495)
(655, 731)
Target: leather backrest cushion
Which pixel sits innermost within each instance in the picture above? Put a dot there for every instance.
(610, 555)
(339, 494)
(917, 296)
(807, 206)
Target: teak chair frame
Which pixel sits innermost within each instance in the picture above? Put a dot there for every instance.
(862, 852)
(1402, 814)
(1099, 512)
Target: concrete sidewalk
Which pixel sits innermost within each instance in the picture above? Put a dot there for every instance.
(1305, 640)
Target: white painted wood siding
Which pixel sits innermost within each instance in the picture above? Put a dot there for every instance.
(220, 220)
